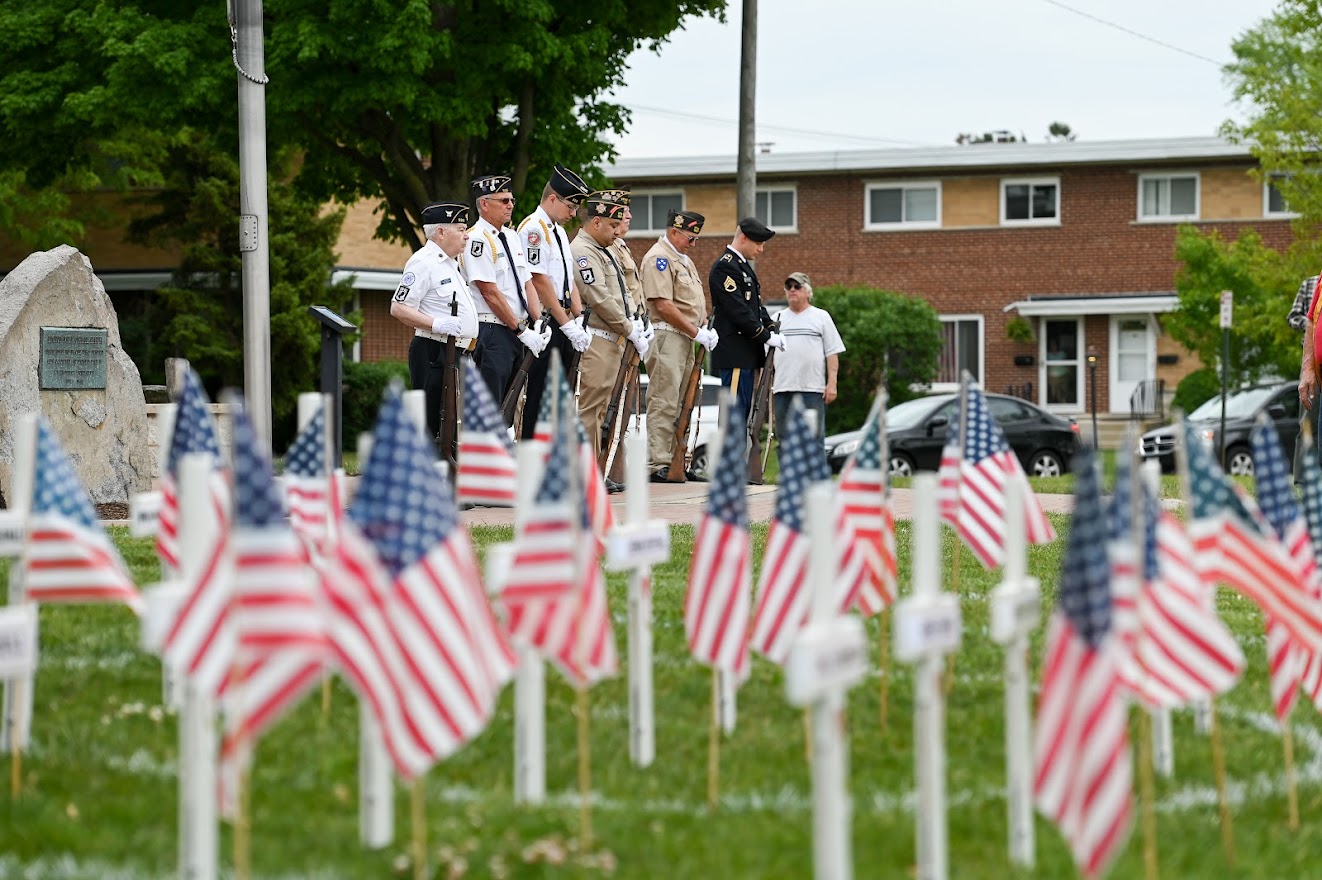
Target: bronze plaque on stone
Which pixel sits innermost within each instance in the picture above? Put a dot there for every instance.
(72, 357)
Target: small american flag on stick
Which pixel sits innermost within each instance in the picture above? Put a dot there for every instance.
(486, 453)
(194, 431)
(868, 565)
(307, 481)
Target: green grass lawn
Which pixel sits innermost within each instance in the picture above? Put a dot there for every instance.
(100, 790)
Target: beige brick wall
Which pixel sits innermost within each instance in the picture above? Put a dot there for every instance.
(970, 201)
(1229, 194)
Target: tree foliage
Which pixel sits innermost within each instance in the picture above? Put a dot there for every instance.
(403, 102)
(887, 335)
(1264, 283)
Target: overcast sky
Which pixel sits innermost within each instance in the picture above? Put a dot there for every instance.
(866, 74)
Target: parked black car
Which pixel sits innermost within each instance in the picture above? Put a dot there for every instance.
(916, 430)
(1280, 400)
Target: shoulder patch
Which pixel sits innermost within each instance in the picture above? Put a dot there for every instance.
(534, 239)
(730, 285)
(582, 262)
(476, 248)
(535, 256)
(589, 276)
(408, 279)
(402, 294)
(662, 264)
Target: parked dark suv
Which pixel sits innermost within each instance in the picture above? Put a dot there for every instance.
(1279, 400)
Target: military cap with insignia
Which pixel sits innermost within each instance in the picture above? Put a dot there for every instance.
(685, 221)
(606, 203)
(755, 230)
(568, 185)
(489, 185)
(445, 212)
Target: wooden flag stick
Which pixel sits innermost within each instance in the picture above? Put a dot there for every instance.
(1219, 768)
(954, 588)
(15, 769)
(584, 769)
(1147, 792)
(714, 742)
(243, 829)
(1291, 787)
(419, 832)
(884, 661)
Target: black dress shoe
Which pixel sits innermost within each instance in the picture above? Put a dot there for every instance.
(694, 477)
(613, 488)
(661, 476)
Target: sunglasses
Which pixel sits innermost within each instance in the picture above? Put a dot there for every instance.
(508, 201)
(793, 285)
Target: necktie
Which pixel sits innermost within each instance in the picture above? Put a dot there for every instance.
(514, 270)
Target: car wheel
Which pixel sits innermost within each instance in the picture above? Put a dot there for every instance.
(1239, 461)
(901, 465)
(1045, 463)
(698, 464)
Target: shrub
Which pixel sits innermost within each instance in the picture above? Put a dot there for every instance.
(364, 387)
(1196, 389)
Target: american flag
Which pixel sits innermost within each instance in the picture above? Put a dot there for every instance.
(1286, 658)
(975, 466)
(306, 480)
(1180, 650)
(782, 598)
(1126, 557)
(486, 453)
(556, 594)
(595, 496)
(1083, 772)
(409, 621)
(278, 622)
(716, 604)
(1310, 477)
(194, 431)
(1236, 545)
(69, 557)
(869, 569)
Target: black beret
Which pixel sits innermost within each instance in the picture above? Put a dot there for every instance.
(685, 221)
(568, 185)
(445, 212)
(755, 229)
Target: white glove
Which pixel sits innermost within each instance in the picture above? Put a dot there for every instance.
(577, 336)
(640, 340)
(776, 341)
(535, 341)
(707, 337)
(448, 325)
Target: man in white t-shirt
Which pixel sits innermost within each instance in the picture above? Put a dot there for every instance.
(811, 359)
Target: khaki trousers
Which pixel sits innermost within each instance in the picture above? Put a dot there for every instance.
(597, 369)
(668, 364)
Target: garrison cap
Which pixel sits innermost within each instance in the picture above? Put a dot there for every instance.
(568, 185)
(755, 229)
(489, 185)
(445, 212)
(685, 221)
(607, 203)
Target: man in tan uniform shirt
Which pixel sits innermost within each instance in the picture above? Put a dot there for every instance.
(602, 286)
(678, 308)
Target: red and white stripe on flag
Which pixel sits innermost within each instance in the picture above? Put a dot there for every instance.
(600, 514)
(973, 502)
(486, 470)
(308, 502)
(543, 564)
(167, 531)
(716, 606)
(68, 562)
(869, 569)
(782, 600)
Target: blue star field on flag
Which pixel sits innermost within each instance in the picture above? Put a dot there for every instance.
(868, 454)
(798, 443)
(1121, 514)
(307, 454)
(1272, 476)
(727, 500)
(194, 429)
(404, 506)
(56, 488)
(1085, 589)
(257, 501)
(1211, 491)
(554, 487)
(1151, 514)
(480, 413)
(983, 437)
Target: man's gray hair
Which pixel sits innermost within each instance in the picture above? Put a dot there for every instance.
(429, 229)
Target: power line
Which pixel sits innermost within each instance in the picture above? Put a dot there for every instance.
(1133, 33)
(805, 132)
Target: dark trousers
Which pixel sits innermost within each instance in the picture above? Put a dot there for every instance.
(497, 355)
(426, 373)
(537, 376)
(813, 401)
(744, 393)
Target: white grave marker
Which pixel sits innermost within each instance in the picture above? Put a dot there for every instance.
(16, 732)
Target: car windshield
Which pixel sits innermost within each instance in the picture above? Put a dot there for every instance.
(1240, 405)
(911, 413)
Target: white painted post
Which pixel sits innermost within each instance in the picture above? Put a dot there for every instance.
(197, 719)
(1015, 610)
(530, 676)
(19, 691)
(145, 520)
(1163, 743)
(827, 657)
(927, 627)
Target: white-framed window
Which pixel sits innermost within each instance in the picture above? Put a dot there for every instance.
(649, 210)
(1167, 197)
(1030, 201)
(1273, 202)
(777, 207)
(961, 350)
(909, 205)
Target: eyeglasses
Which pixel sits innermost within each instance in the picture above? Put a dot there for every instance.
(508, 201)
(691, 239)
(793, 285)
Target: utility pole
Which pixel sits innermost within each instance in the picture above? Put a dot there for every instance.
(746, 173)
(249, 59)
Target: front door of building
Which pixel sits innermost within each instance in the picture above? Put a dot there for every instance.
(1060, 375)
(1133, 357)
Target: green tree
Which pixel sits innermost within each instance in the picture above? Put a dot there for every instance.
(886, 334)
(400, 102)
(1264, 282)
(1277, 78)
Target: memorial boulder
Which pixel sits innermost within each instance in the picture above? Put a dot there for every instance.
(60, 355)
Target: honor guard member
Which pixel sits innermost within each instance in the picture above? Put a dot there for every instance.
(745, 328)
(621, 252)
(434, 300)
(678, 308)
(611, 323)
(546, 250)
(498, 276)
